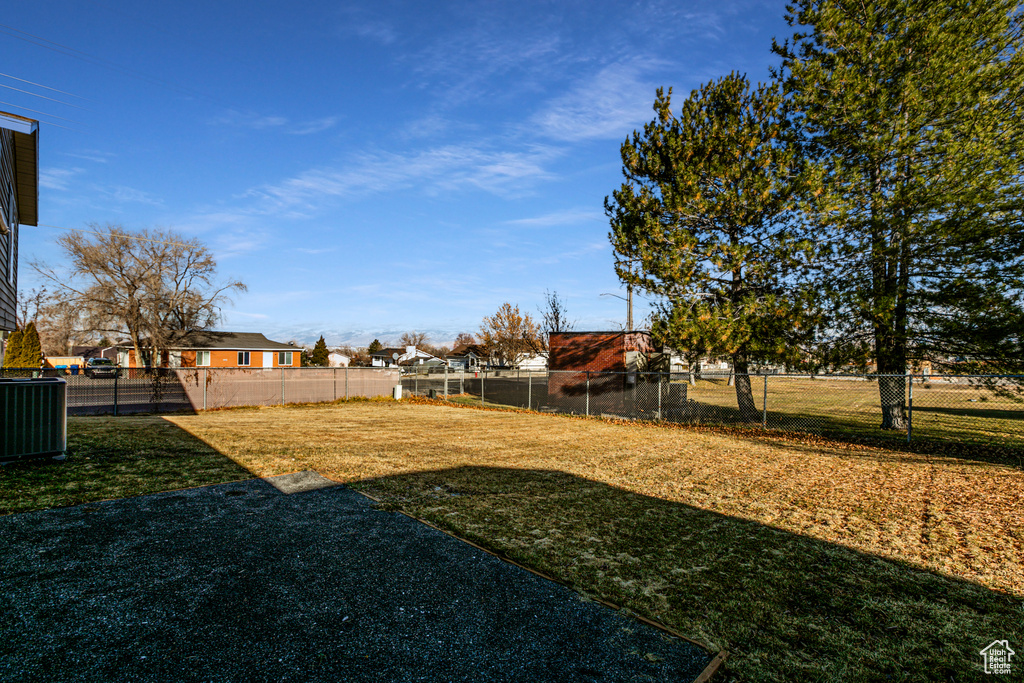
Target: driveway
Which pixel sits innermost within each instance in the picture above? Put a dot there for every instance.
(293, 578)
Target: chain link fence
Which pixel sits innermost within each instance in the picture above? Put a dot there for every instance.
(137, 390)
(966, 408)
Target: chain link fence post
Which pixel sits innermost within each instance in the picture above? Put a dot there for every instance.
(910, 405)
(764, 403)
(346, 382)
(529, 390)
(282, 386)
(446, 381)
(118, 372)
(659, 396)
(483, 375)
(205, 371)
(588, 393)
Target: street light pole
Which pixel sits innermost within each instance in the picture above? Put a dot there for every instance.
(629, 305)
(629, 308)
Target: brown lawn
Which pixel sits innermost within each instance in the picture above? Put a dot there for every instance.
(805, 559)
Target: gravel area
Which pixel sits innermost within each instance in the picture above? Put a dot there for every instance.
(294, 579)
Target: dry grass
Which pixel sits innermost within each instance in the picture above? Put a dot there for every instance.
(806, 559)
(941, 410)
(769, 548)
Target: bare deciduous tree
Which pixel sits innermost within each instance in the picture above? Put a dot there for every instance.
(417, 339)
(464, 339)
(554, 317)
(509, 333)
(149, 286)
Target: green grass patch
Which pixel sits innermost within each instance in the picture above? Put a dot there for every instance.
(114, 458)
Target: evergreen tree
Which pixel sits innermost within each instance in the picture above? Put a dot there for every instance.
(31, 348)
(374, 347)
(913, 111)
(320, 354)
(12, 354)
(707, 220)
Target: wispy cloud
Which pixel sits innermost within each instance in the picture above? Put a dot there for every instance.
(249, 120)
(487, 61)
(566, 217)
(377, 31)
(93, 155)
(123, 194)
(314, 126)
(609, 104)
(446, 168)
(57, 178)
(315, 252)
(262, 122)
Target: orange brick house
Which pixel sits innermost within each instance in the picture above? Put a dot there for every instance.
(222, 350)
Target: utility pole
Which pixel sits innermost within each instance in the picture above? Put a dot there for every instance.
(629, 308)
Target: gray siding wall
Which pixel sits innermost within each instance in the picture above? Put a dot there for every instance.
(8, 242)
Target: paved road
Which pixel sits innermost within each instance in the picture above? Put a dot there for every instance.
(288, 579)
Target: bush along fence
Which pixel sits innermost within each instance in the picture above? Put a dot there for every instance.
(136, 390)
(965, 408)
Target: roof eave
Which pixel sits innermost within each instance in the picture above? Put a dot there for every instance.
(26, 165)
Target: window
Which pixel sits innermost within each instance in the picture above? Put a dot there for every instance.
(243, 357)
(284, 357)
(202, 359)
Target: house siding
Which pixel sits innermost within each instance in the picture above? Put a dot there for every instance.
(222, 358)
(8, 242)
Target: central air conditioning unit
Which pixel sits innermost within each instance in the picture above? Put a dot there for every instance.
(33, 418)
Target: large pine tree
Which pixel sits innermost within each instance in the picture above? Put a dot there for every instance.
(707, 221)
(913, 110)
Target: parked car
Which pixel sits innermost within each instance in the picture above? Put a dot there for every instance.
(100, 367)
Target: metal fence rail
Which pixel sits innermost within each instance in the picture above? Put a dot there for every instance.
(137, 390)
(965, 408)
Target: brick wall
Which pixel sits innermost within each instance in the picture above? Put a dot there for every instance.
(572, 355)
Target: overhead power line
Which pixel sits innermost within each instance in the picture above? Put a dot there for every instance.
(43, 113)
(40, 85)
(99, 61)
(44, 97)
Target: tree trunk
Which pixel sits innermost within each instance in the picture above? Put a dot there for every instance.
(744, 393)
(891, 356)
(890, 263)
(892, 391)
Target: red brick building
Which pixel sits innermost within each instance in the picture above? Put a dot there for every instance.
(596, 372)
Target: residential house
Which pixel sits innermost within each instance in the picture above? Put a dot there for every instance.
(221, 350)
(533, 362)
(336, 359)
(468, 358)
(19, 202)
(410, 355)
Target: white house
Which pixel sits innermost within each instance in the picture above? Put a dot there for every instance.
(338, 360)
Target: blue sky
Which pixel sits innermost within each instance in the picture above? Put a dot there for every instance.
(366, 168)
